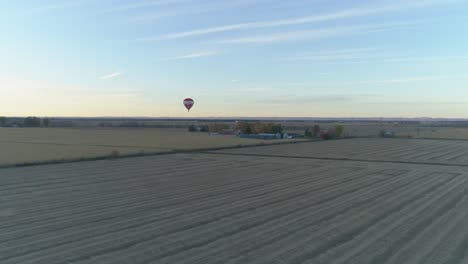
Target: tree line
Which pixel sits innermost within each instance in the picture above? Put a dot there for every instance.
(330, 133)
(30, 121)
(259, 128)
(242, 127)
(214, 128)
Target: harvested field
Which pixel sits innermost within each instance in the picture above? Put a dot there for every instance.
(392, 150)
(434, 131)
(438, 133)
(212, 208)
(30, 145)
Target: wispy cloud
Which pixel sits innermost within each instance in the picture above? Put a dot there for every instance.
(461, 102)
(394, 81)
(313, 34)
(194, 55)
(285, 36)
(396, 59)
(253, 89)
(370, 55)
(341, 54)
(144, 4)
(122, 94)
(330, 98)
(196, 8)
(110, 76)
(344, 14)
(56, 6)
(410, 80)
(429, 59)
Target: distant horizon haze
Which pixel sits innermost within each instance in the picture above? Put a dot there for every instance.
(266, 118)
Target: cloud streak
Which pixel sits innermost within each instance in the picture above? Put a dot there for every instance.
(421, 103)
(110, 76)
(144, 4)
(252, 89)
(330, 98)
(411, 80)
(197, 8)
(429, 59)
(370, 55)
(194, 55)
(56, 6)
(344, 14)
(401, 80)
(312, 34)
(342, 54)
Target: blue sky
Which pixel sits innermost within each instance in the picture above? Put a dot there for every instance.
(269, 58)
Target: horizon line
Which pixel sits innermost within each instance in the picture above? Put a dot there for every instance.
(252, 117)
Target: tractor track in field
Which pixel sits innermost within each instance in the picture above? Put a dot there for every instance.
(339, 159)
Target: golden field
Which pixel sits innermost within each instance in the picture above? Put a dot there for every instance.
(31, 145)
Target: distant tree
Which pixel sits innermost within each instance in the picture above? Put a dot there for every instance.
(248, 129)
(268, 128)
(244, 127)
(339, 129)
(222, 127)
(217, 127)
(32, 121)
(45, 122)
(316, 132)
(258, 128)
(308, 133)
(328, 134)
(3, 121)
(192, 128)
(382, 133)
(277, 128)
(130, 124)
(212, 128)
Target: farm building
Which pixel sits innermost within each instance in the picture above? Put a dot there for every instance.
(263, 136)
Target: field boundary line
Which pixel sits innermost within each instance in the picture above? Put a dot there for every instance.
(337, 159)
(148, 154)
(213, 150)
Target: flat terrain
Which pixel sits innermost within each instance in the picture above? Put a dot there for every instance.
(225, 208)
(438, 133)
(372, 129)
(391, 150)
(26, 145)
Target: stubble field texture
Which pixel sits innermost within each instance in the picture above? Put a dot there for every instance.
(344, 201)
(35, 145)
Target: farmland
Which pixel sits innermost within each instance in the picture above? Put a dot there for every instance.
(446, 152)
(344, 201)
(29, 145)
(438, 133)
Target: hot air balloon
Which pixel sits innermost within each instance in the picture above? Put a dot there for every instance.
(188, 102)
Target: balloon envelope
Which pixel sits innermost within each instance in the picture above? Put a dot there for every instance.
(188, 102)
